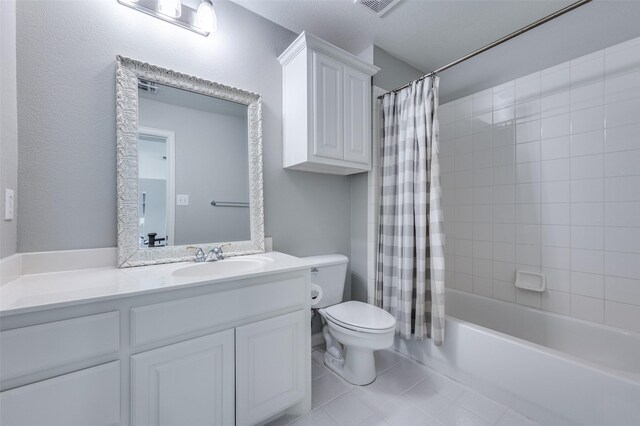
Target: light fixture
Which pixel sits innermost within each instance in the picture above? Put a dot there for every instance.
(202, 21)
(172, 8)
(206, 18)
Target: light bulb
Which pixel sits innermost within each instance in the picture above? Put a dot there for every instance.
(206, 18)
(172, 8)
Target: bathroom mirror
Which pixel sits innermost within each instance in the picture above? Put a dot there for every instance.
(189, 157)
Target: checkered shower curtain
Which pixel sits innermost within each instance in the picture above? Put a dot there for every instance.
(410, 261)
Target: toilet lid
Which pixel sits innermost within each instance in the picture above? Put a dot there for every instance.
(358, 315)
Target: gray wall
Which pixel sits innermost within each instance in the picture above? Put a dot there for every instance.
(211, 163)
(8, 122)
(393, 73)
(66, 64)
(591, 27)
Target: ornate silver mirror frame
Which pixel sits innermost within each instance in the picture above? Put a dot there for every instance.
(128, 71)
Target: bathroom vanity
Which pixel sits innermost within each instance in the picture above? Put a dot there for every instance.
(219, 343)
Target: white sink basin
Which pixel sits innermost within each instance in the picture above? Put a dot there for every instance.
(231, 266)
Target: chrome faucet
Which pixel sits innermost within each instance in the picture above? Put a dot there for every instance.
(213, 255)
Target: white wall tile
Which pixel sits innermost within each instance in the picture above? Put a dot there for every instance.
(556, 192)
(623, 163)
(556, 301)
(556, 257)
(504, 136)
(528, 298)
(528, 234)
(558, 279)
(588, 96)
(482, 232)
(556, 126)
(528, 111)
(623, 265)
(622, 188)
(622, 138)
(555, 148)
(622, 113)
(587, 308)
(528, 193)
(622, 58)
(504, 213)
(528, 172)
(555, 104)
(587, 237)
(504, 95)
(591, 285)
(587, 214)
(587, 120)
(482, 141)
(587, 167)
(482, 122)
(622, 239)
(622, 290)
(504, 175)
(504, 291)
(462, 108)
(528, 87)
(504, 233)
(623, 316)
(556, 235)
(504, 116)
(504, 252)
(504, 194)
(528, 214)
(622, 214)
(621, 87)
(504, 271)
(463, 282)
(482, 268)
(587, 191)
(483, 286)
(504, 155)
(555, 79)
(528, 255)
(527, 132)
(590, 261)
(556, 214)
(528, 152)
(587, 143)
(587, 69)
(555, 170)
(482, 102)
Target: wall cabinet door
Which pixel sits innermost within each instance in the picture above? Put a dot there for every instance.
(357, 116)
(327, 107)
(270, 367)
(189, 383)
(85, 397)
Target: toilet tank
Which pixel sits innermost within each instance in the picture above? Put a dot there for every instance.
(329, 272)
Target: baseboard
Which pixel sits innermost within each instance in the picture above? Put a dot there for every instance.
(317, 339)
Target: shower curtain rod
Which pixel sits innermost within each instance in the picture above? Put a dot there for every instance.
(508, 37)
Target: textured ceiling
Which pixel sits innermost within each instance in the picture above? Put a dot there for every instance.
(424, 33)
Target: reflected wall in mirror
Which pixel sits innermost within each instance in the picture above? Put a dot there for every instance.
(193, 168)
(189, 166)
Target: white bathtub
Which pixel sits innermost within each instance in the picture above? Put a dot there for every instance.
(554, 369)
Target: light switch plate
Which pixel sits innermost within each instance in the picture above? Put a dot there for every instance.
(9, 204)
(182, 199)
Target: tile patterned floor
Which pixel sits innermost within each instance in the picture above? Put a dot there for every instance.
(405, 393)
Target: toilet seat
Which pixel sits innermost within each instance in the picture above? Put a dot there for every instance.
(361, 317)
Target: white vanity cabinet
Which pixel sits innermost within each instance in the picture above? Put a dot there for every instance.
(229, 352)
(326, 108)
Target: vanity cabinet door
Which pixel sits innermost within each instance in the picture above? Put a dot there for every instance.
(327, 107)
(188, 383)
(270, 367)
(357, 116)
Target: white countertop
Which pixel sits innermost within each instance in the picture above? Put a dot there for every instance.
(48, 290)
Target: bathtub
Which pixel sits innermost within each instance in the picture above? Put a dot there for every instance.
(553, 369)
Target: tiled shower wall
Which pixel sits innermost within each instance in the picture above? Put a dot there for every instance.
(543, 174)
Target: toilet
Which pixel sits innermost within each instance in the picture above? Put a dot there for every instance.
(352, 330)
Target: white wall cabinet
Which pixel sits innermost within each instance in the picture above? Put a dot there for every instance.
(327, 108)
(270, 366)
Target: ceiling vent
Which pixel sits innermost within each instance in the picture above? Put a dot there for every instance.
(379, 7)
